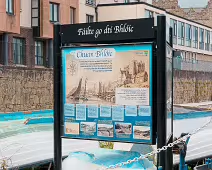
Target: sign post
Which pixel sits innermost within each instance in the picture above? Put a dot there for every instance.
(161, 87)
(114, 92)
(57, 98)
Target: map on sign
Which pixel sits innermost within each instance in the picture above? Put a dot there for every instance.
(108, 93)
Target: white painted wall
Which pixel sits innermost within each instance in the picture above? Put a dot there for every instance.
(120, 12)
(25, 14)
(85, 9)
(133, 11)
(121, 1)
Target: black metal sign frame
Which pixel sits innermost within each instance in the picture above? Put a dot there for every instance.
(114, 32)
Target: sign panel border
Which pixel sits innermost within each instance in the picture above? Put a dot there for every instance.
(142, 46)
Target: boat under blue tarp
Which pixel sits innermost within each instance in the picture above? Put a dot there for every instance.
(104, 158)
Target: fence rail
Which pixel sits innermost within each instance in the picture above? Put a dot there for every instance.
(192, 65)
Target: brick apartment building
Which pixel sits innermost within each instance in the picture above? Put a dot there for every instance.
(26, 30)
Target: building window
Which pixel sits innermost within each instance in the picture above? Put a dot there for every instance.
(149, 14)
(35, 13)
(201, 39)
(183, 56)
(211, 40)
(173, 24)
(207, 40)
(195, 37)
(18, 51)
(194, 58)
(39, 54)
(89, 18)
(90, 2)
(72, 15)
(10, 6)
(54, 12)
(181, 33)
(188, 35)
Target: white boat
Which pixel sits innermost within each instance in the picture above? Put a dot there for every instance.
(33, 147)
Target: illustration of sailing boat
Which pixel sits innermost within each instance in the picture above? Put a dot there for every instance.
(100, 90)
(84, 98)
(75, 93)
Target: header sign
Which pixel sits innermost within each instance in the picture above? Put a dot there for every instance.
(108, 93)
(99, 32)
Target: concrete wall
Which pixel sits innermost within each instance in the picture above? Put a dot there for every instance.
(24, 89)
(85, 9)
(25, 13)
(127, 12)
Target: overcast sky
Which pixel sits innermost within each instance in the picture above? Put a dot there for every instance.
(192, 3)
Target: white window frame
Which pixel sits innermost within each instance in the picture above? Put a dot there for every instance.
(39, 53)
(54, 16)
(10, 6)
(72, 15)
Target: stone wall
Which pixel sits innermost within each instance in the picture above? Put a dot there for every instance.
(192, 87)
(25, 89)
(30, 89)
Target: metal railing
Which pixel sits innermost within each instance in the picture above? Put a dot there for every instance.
(192, 65)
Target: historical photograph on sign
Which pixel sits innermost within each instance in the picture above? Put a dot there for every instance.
(72, 128)
(88, 127)
(141, 132)
(105, 130)
(107, 76)
(123, 128)
(144, 111)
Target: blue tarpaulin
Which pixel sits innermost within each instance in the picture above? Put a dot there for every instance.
(104, 158)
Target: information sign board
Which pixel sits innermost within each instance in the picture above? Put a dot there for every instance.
(108, 93)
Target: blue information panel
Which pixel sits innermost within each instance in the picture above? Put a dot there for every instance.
(108, 93)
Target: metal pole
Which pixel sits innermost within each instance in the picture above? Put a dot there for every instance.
(57, 98)
(161, 87)
(169, 154)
